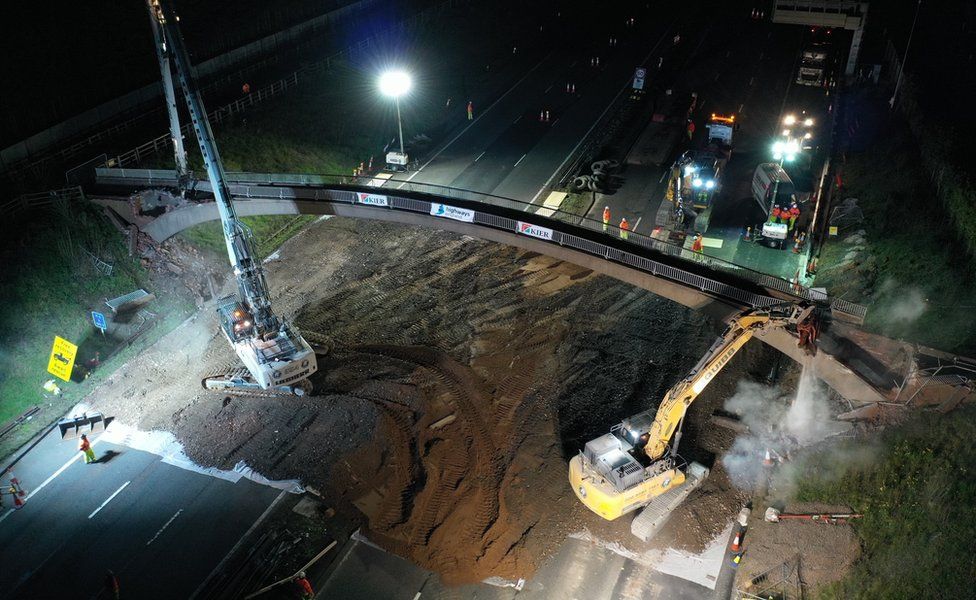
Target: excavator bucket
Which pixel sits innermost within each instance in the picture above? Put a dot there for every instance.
(88, 423)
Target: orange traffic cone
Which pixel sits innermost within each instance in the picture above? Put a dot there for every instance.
(547, 116)
(542, 116)
(737, 542)
(768, 460)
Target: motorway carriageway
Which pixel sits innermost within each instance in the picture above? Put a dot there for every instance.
(507, 151)
(160, 528)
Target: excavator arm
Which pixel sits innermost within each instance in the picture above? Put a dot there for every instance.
(675, 404)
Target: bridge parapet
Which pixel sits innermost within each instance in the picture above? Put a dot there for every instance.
(714, 276)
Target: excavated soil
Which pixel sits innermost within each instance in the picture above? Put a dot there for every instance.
(462, 377)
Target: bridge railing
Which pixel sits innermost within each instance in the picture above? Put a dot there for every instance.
(14, 206)
(289, 186)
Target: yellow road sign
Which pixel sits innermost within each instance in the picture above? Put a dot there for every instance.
(62, 359)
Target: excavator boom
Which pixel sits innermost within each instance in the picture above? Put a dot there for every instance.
(629, 467)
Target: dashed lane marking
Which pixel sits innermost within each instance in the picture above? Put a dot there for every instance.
(521, 159)
(167, 524)
(478, 118)
(479, 156)
(109, 499)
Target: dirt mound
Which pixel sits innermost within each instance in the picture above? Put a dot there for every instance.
(463, 376)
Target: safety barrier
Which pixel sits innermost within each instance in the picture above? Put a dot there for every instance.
(165, 141)
(41, 200)
(216, 116)
(298, 187)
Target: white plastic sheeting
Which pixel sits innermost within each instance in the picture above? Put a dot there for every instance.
(165, 445)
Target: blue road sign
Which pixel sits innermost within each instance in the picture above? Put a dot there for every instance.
(99, 320)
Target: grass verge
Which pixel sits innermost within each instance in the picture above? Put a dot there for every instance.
(52, 292)
(916, 494)
(908, 267)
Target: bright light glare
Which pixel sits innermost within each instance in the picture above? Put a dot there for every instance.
(394, 83)
(789, 120)
(689, 170)
(792, 147)
(807, 135)
(786, 133)
(697, 183)
(778, 147)
(808, 123)
(709, 184)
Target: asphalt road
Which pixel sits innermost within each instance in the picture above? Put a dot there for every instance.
(578, 570)
(161, 529)
(506, 150)
(745, 67)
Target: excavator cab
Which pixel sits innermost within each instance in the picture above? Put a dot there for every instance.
(235, 319)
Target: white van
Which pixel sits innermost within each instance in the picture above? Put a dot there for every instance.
(764, 185)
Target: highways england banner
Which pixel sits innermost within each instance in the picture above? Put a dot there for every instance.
(535, 231)
(451, 212)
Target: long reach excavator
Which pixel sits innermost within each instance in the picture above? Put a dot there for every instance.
(275, 355)
(637, 464)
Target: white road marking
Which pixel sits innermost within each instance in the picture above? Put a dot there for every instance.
(163, 528)
(598, 119)
(741, 106)
(478, 118)
(220, 565)
(95, 512)
(554, 123)
(49, 480)
(547, 89)
(520, 160)
(417, 596)
(751, 79)
(518, 119)
(637, 224)
(58, 472)
(479, 156)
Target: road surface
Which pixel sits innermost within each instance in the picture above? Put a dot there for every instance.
(160, 528)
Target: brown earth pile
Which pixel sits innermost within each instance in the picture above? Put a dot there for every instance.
(462, 377)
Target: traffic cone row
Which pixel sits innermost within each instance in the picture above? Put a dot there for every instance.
(543, 116)
(758, 14)
(570, 88)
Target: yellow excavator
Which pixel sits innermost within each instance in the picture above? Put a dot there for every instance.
(636, 465)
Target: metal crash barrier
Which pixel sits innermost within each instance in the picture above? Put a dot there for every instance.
(320, 188)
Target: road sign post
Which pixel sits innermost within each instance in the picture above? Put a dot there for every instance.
(62, 360)
(99, 320)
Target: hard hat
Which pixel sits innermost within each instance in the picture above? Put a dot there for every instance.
(301, 574)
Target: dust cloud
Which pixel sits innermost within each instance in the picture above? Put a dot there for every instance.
(903, 305)
(777, 421)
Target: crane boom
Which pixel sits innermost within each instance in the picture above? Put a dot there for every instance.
(273, 352)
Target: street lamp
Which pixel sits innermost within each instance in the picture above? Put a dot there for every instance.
(396, 84)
